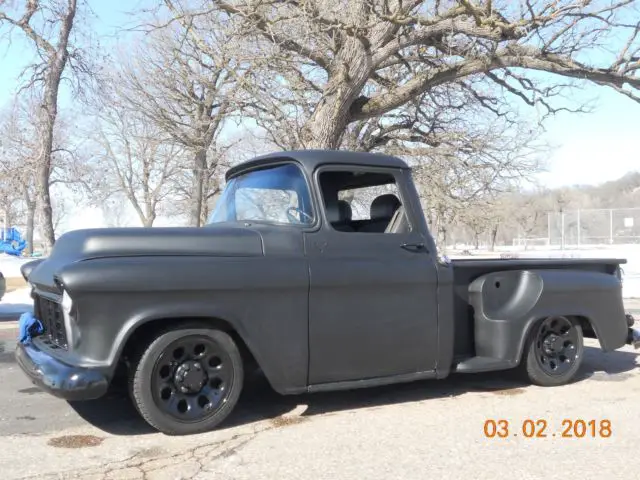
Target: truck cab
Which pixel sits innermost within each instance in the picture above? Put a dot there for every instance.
(319, 268)
(373, 273)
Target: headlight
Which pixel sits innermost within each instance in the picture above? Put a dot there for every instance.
(73, 334)
(67, 303)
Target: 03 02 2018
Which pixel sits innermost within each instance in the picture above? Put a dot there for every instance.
(499, 428)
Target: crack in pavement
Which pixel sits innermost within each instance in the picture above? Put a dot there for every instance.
(140, 466)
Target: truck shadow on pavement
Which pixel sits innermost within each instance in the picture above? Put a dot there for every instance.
(116, 415)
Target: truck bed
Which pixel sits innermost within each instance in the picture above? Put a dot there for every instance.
(467, 270)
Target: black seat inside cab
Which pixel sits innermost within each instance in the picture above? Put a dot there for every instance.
(339, 215)
(382, 211)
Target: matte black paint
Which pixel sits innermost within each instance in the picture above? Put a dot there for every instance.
(58, 378)
(508, 303)
(318, 309)
(372, 304)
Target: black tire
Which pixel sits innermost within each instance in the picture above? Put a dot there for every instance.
(159, 368)
(564, 350)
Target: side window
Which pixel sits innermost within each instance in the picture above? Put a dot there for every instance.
(359, 201)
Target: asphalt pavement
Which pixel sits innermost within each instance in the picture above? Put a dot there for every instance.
(420, 430)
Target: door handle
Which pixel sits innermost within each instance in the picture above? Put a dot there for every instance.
(413, 247)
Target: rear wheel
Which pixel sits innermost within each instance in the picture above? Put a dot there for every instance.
(553, 352)
(187, 380)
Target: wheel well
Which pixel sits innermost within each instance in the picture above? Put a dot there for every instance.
(587, 327)
(585, 324)
(146, 332)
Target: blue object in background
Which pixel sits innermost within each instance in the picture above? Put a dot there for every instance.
(11, 242)
(29, 327)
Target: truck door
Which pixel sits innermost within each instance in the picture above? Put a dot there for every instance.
(373, 289)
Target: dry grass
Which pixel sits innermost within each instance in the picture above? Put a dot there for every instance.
(15, 283)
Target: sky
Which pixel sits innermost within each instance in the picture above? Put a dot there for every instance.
(590, 148)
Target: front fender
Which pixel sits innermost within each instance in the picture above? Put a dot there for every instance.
(175, 310)
(507, 305)
(265, 299)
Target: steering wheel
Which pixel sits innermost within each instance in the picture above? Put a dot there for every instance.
(293, 219)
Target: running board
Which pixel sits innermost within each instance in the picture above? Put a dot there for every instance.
(482, 364)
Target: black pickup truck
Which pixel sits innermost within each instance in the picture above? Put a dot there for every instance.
(318, 268)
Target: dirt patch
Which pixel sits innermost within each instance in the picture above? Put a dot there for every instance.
(14, 283)
(286, 420)
(508, 391)
(75, 441)
(505, 391)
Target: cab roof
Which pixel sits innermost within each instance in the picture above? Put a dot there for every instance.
(311, 159)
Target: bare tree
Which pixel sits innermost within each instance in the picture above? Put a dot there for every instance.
(18, 166)
(322, 65)
(132, 157)
(20, 144)
(189, 92)
(48, 25)
(113, 211)
(469, 167)
(529, 213)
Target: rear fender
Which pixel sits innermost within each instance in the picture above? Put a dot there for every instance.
(507, 304)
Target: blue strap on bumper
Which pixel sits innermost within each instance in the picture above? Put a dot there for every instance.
(29, 327)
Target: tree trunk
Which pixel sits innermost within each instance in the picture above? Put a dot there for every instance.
(31, 212)
(494, 235)
(329, 122)
(197, 190)
(148, 221)
(43, 196)
(47, 115)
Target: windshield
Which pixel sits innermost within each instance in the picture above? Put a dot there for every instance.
(276, 194)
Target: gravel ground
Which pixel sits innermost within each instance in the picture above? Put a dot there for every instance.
(420, 430)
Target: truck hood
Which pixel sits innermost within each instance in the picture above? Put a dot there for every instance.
(77, 245)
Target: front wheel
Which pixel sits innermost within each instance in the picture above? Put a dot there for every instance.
(553, 352)
(187, 380)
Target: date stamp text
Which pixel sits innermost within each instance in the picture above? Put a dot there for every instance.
(541, 428)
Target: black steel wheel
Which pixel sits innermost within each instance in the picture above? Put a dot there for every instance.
(187, 380)
(554, 351)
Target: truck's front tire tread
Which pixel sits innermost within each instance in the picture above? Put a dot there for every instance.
(140, 381)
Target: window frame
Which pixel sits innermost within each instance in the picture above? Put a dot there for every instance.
(313, 203)
(397, 175)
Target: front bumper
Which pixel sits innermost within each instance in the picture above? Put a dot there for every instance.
(58, 378)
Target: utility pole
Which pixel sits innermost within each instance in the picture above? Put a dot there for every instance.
(611, 226)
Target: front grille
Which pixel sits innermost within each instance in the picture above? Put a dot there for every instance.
(51, 316)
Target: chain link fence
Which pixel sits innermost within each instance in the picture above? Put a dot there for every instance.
(588, 227)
